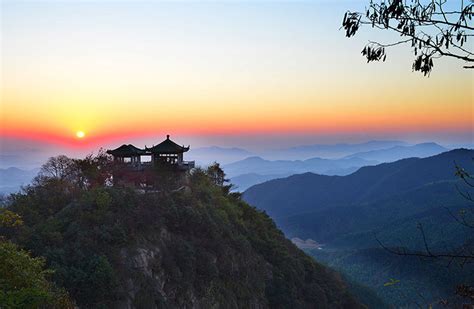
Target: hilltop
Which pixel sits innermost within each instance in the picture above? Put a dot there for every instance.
(194, 246)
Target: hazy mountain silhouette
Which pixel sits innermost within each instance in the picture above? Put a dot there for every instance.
(400, 152)
(208, 155)
(261, 166)
(329, 150)
(254, 170)
(12, 178)
(245, 181)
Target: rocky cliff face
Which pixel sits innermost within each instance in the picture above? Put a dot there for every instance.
(150, 282)
(196, 248)
(149, 285)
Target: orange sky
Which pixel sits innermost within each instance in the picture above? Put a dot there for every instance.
(210, 69)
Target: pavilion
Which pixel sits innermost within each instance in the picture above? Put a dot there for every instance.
(167, 152)
(127, 154)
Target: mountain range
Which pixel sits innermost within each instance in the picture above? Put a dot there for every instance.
(311, 192)
(245, 169)
(388, 202)
(400, 152)
(254, 170)
(329, 151)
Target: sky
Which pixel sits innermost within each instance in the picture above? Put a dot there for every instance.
(252, 74)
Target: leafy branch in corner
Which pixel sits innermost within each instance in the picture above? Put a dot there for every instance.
(430, 30)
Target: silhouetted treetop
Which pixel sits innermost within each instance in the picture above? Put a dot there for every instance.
(432, 29)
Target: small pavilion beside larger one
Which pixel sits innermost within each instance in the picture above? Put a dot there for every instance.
(127, 154)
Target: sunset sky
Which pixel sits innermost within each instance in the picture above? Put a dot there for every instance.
(226, 73)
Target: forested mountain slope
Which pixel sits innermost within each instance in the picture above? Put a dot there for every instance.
(352, 216)
(196, 247)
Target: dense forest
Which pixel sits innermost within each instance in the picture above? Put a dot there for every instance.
(188, 243)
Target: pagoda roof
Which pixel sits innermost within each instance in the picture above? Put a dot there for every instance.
(167, 147)
(126, 151)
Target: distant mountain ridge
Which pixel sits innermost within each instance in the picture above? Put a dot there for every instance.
(254, 169)
(242, 182)
(12, 178)
(262, 166)
(207, 155)
(261, 169)
(330, 151)
(400, 152)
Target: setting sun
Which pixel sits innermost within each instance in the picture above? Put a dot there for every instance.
(80, 134)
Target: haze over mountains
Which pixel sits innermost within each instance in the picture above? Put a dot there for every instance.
(207, 155)
(12, 178)
(244, 172)
(225, 155)
(329, 151)
(246, 168)
(254, 170)
(400, 152)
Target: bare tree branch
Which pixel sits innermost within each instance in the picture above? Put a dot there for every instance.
(403, 251)
(463, 254)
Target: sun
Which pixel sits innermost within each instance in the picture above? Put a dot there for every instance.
(80, 134)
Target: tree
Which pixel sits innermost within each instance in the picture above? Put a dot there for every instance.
(431, 28)
(216, 174)
(24, 279)
(9, 219)
(92, 171)
(59, 167)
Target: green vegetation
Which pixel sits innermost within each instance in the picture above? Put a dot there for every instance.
(24, 282)
(193, 244)
(398, 280)
(23, 279)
